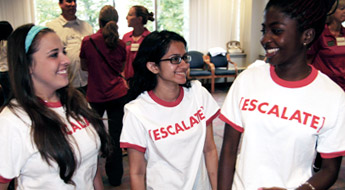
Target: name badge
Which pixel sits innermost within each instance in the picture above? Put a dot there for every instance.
(135, 46)
(331, 43)
(340, 41)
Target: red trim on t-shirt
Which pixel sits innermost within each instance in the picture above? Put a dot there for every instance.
(165, 103)
(233, 125)
(51, 104)
(332, 155)
(294, 84)
(134, 146)
(212, 118)
(4, 180)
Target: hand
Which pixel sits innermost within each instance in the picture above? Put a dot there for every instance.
(271, 188)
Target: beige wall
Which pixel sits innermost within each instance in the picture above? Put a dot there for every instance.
(253, 20)
(19, 12)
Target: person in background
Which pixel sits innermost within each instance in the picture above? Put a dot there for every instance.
(106, 89)
(72, 30)
(137, 18)
(276, 114)
(167, 127)
(50, 138)
(328, 53)
(5, 31)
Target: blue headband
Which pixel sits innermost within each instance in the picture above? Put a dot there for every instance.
(31, 35)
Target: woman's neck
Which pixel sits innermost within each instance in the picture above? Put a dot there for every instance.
(49, 97)
(294, 72)
(168, 94)
(138, 31)
(335, 28)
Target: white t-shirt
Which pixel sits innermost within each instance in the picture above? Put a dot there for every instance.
(71, 34)
(172, 136)
(284, 125)
(20, 158)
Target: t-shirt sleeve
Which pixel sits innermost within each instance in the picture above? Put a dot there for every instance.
(133, 134)
(211, 107)
(14, 151)
(230, 111)
(331, 141)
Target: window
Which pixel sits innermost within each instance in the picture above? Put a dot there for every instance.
(169, 14)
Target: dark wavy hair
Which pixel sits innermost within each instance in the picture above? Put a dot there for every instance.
(152, 49)
(108, 18)
(144, 13)
(308, 13)
(48, 129)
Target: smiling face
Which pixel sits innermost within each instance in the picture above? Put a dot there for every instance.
(172, 74)
(49, 66)
(280, 38)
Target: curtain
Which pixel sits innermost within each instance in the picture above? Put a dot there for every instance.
(17, 12)
(213, 23)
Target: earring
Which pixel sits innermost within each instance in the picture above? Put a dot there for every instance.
(305, 44)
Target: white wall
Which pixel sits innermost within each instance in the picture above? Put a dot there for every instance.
(17, 12)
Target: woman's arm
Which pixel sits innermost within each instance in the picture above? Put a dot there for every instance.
(211, 156)
(323, 179)
(327, 175)
(98, 182)
(228, 157)
(137, 169)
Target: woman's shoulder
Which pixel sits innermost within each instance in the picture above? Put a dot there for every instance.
(141, 100)
(122, 43)
(14, 119)
(127, 35)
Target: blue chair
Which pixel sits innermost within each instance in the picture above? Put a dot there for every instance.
(199, 69)
(222, 67)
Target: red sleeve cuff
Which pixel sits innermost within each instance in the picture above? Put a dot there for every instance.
(233, 125)
(4, 180)
(136, 147)
(332, 155)
(209, 121)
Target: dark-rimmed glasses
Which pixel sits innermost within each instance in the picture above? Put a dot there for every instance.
(177, 59)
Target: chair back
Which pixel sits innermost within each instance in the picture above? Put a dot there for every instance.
(219, 60)
(197, 60)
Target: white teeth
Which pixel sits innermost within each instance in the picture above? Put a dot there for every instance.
(62, 72)
(272, 50)
(181, 73)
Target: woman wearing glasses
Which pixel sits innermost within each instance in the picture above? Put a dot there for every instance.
(167, 126)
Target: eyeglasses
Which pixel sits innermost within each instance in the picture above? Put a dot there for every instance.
(177, 59)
